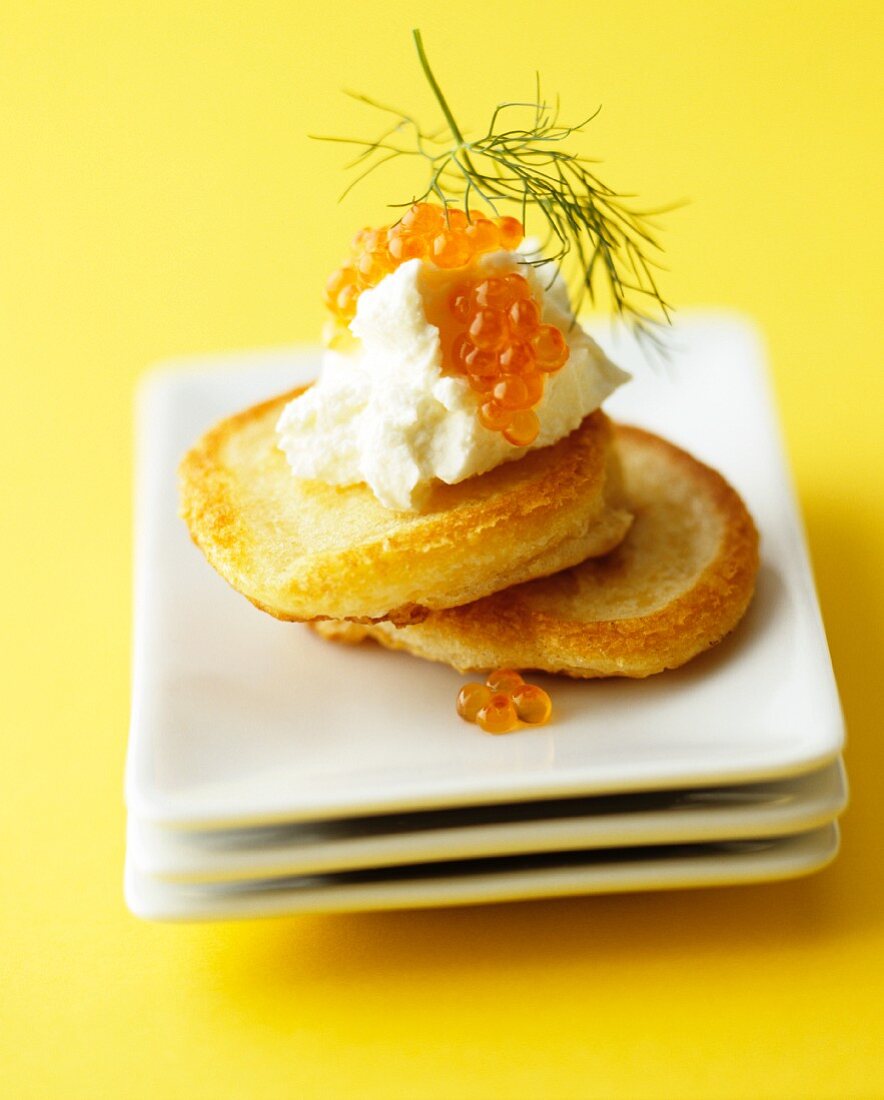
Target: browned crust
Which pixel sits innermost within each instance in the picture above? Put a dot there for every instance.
(503, 629)
(507, 525)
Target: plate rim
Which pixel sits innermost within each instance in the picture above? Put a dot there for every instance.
(786, 858)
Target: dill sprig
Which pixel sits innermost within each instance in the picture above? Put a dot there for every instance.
(601, 241)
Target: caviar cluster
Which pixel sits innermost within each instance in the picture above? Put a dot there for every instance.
(502, 702)
(504, 351)
(491, 330)
(450, 239)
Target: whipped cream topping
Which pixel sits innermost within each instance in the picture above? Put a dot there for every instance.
(386, 415)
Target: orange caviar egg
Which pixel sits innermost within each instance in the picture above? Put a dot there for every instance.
(510, 392)
(488, 329)
(524, 318)
(535, 382)
(493, 293)
(483, 235)
(470, 700)
(404, 246)
(451, 249)
(372, 267)
(494, 416)
(368, 240)
(473, 360)
(454, 218)
(504, 679)
(516, 286)
(336, 282)
(532, 704)
(498, 715)
(516, 358)
(346, 297)
(511, 232)
(550, 349)
(523, 428)
(461, 350)
(481, 383)
(423, 217)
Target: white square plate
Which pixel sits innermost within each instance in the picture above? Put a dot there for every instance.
(612, 870)
(741, 812)
(240, 719)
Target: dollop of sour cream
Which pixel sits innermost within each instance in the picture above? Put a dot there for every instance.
(385, 413)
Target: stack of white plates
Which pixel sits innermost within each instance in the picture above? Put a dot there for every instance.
(272, 772)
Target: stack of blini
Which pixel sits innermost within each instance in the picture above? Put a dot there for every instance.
(610, 553)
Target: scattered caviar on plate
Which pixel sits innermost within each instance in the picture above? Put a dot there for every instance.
(533, 705)
(471, 699)
(491, 332)
(503, 702)
(498, 715)
(504, 679)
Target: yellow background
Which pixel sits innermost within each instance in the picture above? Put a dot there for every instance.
(158, 195)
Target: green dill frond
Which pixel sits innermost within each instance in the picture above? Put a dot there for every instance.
(605, 247)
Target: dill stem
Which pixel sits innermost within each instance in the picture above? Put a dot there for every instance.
(440, 98)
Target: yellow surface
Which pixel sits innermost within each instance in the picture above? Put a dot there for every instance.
(158, 196)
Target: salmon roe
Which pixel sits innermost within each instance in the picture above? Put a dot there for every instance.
(491, 331)
(503, 702)
(449, 238)
(493, 336)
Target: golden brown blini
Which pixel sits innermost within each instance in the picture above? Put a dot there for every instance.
(678, 583)
(306, 550)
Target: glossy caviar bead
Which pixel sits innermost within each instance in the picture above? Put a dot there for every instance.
(372, 267)
(455, 218)
(511, 392)
(345, 301)
(405, 246)
(498, 715)
(482, 383)
(481, 377)
(336, 282)
(483, 236)
(532, 704)
(461, 350)
(504, 679)
(511, 232)
(423, 217)
(360, 240)
(470, 700)
(524, 318)
(516, 358)
(492, 294)
(473, 360)
(516, 286)
(451, 249)
(494, 416)
(488, 329)
(368, 240)
(535, 383)
(523, 429)
(550, 349)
